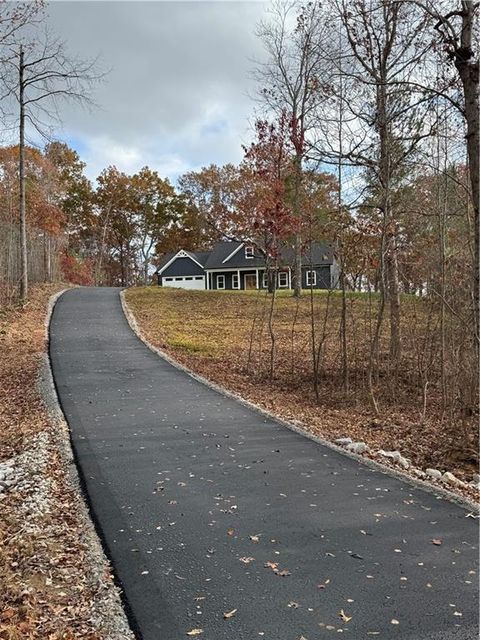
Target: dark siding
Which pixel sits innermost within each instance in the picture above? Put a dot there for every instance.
(323, 277)
(228, 279)
(183, 267)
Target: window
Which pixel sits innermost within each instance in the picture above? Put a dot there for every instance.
(235, 281)
(311, 278)
(168, 279)
(198, 277)
(249, 252)
(220, 282)
(265, 280)
(188, 278)
(283, 280)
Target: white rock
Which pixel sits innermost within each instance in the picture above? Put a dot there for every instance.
(357, 447)
(419, 473)
(433, 473)
(343, 441)
(450, 478)
(394, 455)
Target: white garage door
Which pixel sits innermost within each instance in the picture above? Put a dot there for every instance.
(185, 282)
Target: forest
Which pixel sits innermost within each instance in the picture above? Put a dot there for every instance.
(365, 135)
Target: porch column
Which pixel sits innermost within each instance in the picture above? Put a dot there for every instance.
(289, 278)
(238, 276)
(207, 276)
(256, 278)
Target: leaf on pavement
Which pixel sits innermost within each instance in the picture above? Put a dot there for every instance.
(230, 614)
(437, 542)
(194, 632)
(344, 616)
(230, 532)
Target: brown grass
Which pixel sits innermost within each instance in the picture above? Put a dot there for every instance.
(210, 333)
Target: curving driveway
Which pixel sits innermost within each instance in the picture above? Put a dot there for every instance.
(206, 507)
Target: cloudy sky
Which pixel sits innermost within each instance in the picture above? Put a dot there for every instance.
(178, 95)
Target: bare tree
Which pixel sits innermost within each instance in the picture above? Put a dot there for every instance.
(458, 29)
(41, 76)
(384, 44)
(288, 83)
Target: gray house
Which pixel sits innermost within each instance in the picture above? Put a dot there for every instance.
(238, 265)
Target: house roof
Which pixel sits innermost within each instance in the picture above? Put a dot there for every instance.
(318, 253)
(231, 255)
(198, 256)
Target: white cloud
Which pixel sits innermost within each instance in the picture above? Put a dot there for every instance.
(177, 94)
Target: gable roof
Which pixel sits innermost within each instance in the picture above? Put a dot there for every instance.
(230, 255)
(220, 252)
(200, 257)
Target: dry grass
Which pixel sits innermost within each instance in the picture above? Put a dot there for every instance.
(46, 586)
(210, 332)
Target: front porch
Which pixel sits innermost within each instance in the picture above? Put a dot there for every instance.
(246, 279)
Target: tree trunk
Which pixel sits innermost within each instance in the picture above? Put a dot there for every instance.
(297, 267)
(468, 68)
(392, 289)
(122, 266)
(21, 177)
(145, 272)
(297, 272)
(47, 264)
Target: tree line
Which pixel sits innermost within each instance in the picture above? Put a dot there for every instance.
(366, 134)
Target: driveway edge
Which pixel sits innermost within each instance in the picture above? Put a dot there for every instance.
(439, 492)
(108, 612)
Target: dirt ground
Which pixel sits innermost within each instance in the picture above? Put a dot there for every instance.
(48, 587)
(211, 333)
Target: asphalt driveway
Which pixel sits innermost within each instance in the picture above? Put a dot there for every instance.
(206, 507)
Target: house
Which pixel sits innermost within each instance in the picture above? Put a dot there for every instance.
(238, 265)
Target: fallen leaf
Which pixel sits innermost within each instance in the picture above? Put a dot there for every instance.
(246, 559)
(194, 632)
(255, 538)
(344, 616)
(393, 621)
(8, 613)
(437, 542)
(271, 565)
(230, 614)
(230, 532)
(284, 572)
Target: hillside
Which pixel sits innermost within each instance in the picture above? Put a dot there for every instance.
(211, 332)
